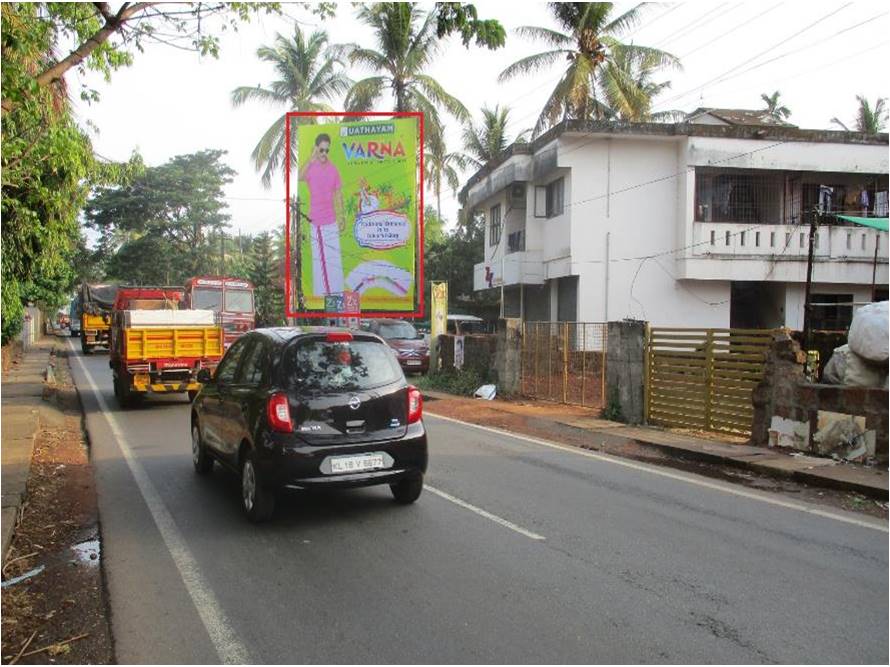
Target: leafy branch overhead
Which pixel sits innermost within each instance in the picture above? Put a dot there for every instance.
(105, 39)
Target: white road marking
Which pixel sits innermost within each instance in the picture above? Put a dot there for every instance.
(481, 512)
(874, 524)
(228, 646)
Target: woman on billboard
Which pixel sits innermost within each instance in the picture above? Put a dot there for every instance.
(325, 217)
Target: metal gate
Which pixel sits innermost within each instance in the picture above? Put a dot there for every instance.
(564, 362)
(703, 378)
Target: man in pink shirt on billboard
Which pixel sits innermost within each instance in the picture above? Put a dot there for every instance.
(325, 218)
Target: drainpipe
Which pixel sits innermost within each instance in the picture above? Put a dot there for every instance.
(606, 281)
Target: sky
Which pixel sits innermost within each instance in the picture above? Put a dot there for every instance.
(819, 55)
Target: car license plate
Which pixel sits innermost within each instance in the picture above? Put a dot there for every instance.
(413, 362)
(361, 463)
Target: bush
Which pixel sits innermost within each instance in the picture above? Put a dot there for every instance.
(461, 382)
(612, 409)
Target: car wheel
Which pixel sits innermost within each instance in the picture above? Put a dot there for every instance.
(408, 490)
(200, 457)
(258, 501)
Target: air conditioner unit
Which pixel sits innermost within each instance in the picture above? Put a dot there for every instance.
(517, 195)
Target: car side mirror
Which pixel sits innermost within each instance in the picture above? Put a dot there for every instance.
(205, 376)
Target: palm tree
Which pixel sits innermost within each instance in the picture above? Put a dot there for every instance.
(629, 89)
(484, 142)
(870, 120)
(779, 113)
(591, 43)
(406, 46)
(440, 167)
(310, 75)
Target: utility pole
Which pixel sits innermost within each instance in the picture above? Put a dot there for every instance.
(806, 303)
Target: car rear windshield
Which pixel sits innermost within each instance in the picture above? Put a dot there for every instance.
(321, 367)
(397, 330)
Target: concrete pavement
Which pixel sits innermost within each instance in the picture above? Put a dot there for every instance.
(21, 400)
(636, 564)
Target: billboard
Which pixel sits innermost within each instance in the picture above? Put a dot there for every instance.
(356, 223)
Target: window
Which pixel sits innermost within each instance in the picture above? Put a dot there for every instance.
(225, 372)
(494, 228)
(550, 199)
(207, 299)
(834, 312)
(320, 367)
(397, 330)
(239, 301)
(254, 366)
(516, 241)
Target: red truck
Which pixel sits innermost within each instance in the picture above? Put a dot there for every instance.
(157, 346)
(232, 298)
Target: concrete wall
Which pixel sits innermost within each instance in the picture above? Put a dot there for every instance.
(625, 361)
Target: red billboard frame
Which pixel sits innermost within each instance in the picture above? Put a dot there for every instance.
(418, 278)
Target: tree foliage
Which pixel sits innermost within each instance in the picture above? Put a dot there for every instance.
(48, 169)
(310, 77)
(600, 68)
(462, 18)
(869, 119)
(165, 225)
(268, 280)
(773, 107)
(406, 45)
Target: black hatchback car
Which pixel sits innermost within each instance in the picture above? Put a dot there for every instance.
(313, 407)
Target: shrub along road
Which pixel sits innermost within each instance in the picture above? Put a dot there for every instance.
(516, 552)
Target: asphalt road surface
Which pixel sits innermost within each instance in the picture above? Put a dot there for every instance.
(516, 552)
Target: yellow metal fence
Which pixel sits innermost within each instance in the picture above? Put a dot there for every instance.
(703, 378)
(564, 362)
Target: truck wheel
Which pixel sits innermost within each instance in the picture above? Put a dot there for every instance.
(124, 394)
(257, 500)
(86, 349)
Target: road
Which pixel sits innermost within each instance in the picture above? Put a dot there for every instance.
(518, 553)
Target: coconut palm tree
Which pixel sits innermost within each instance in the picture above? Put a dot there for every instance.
(629, 89)
(441, 167)
(870, 120)
(485, 141)
(773, 108)
(590, 43)
(406, 46)
(310, 76)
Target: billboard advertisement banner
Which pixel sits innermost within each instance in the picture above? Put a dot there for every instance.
(358, 216)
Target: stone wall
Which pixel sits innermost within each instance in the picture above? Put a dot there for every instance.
(625, 363)
(848, 422)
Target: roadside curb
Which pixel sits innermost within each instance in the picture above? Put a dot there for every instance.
(763, 461)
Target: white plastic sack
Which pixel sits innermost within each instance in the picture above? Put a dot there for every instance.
(869, 332)
(486, 392)
(847, 368)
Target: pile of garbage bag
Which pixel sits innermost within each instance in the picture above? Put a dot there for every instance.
(863, 361)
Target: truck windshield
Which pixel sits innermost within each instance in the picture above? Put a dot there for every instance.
(207, 299)
(239, 301)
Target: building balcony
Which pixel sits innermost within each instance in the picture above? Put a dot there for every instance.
(723, 240)
(516, 268)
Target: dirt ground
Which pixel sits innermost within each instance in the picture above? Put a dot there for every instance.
(12, 352)
(535, 419)
(60, 615)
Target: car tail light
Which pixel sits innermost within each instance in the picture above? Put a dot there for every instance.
(338, 337)
(278, 414)
(415, 405)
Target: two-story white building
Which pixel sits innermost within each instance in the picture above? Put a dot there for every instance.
(703, 223)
